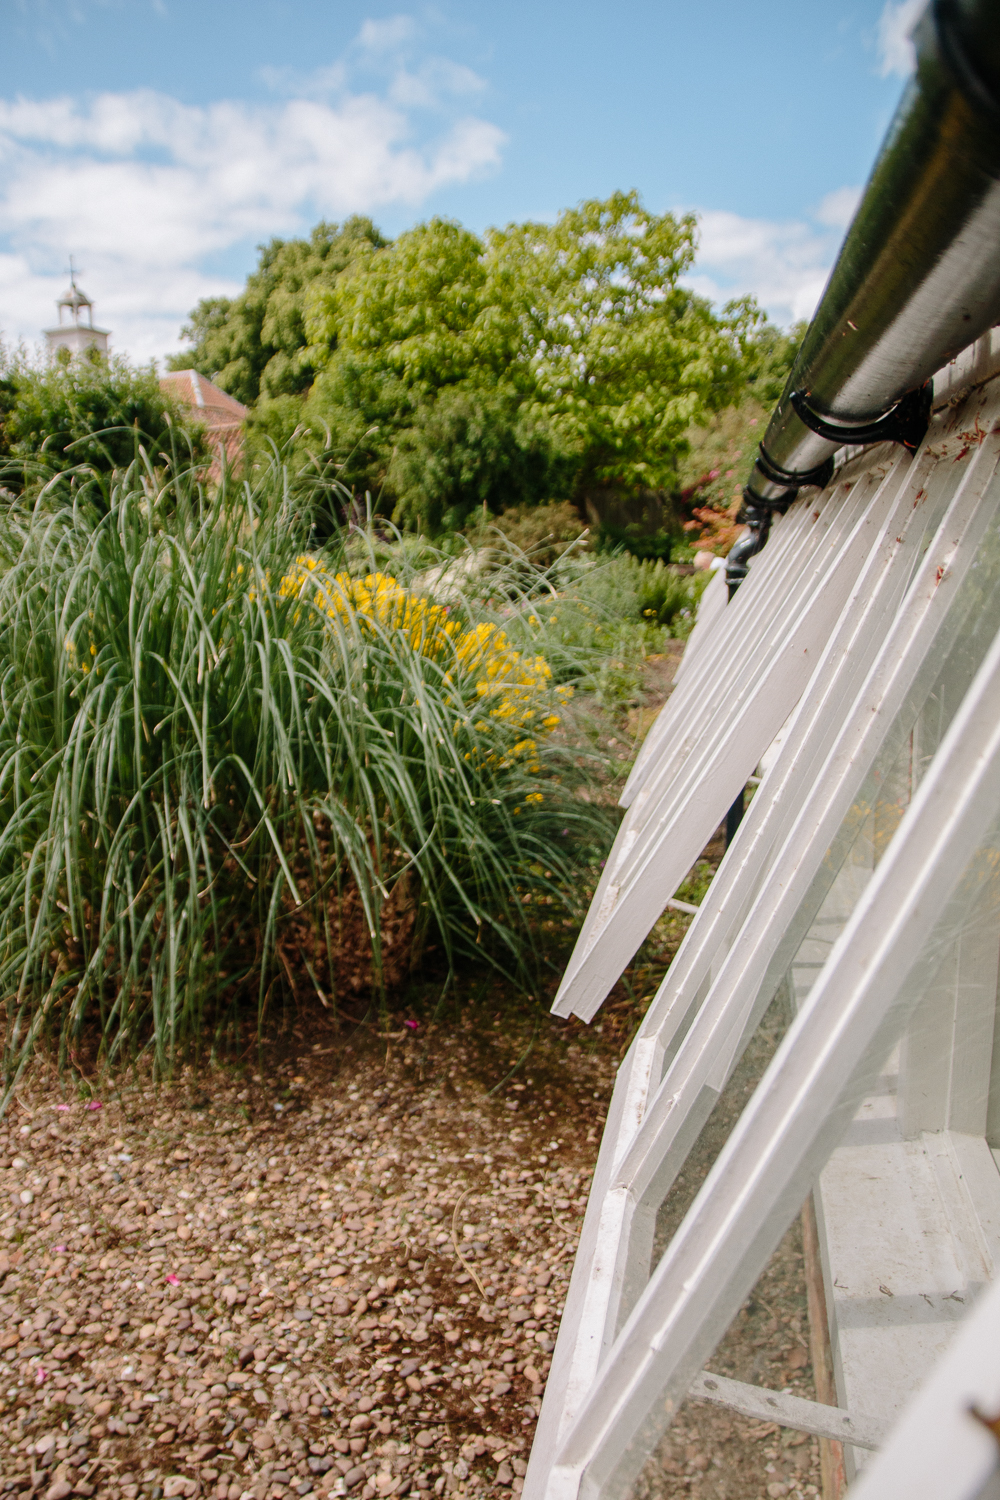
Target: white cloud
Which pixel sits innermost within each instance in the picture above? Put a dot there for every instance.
(837, 208)
(784, 265)
(388, 35)
(434, 78)
(895, 47)
(144, 189)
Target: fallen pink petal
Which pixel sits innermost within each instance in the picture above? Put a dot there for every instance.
(413, 1025)
(174, 1280)
(63, 1106)
(95, 1104)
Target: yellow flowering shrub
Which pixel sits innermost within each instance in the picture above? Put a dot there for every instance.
(513, 687)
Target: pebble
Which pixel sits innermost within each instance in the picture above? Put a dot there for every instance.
(217, 1301)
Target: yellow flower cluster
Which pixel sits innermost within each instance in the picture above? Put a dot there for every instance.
(80, 662)
(509, 683)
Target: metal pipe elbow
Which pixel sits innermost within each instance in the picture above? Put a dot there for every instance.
(758, 523)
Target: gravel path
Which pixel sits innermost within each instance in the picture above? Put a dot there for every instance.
(330, 1285)
(344, 1277)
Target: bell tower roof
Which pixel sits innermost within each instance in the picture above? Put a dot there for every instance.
(75, 334)
(74, 299)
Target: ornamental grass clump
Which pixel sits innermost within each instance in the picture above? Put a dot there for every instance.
(233, 772)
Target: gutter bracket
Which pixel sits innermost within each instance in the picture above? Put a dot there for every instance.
(819, 477)
(905, 423)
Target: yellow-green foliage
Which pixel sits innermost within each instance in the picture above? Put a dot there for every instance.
(512, 687)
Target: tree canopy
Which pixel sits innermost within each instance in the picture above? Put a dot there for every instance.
(444, 370)
(622, 357)
(255, 344)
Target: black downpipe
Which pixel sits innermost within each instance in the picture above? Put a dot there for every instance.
(758, 524)
(916, 281)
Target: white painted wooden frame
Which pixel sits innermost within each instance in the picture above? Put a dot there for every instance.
(717, 741)
(712, 603)
(939, 1450)
(707, 1008)
(858, 1008)
(767, 587)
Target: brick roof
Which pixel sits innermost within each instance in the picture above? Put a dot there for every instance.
(222, 414)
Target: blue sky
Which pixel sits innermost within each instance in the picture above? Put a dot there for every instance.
(160, 141)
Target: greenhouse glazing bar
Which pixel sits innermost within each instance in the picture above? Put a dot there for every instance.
(907, 641)
(868, 627)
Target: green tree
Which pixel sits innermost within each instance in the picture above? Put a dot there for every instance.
(720, 445)
(92, 413)
(570, 355)
(768, 352)
(417, 391)
(622, 357)
(255, 344)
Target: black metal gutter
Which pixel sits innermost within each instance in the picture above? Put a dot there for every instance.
(917, 278)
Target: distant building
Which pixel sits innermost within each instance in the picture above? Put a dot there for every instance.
(72, 334)
(221, 415)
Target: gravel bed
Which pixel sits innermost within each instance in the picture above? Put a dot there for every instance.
(341, 1277)
(356, 1294)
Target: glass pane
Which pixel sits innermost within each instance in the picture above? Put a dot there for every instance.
(844, 872)
(972, 907)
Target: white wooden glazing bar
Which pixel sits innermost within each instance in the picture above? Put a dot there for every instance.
(703, 1059)
(581, 1330)
(681, 804)
(968, 372)
(938, 1450)
(710, 607)
(772, 928)
(698, 713)
(775, 922)
(834, 1047)
(627, 1214)
(849, 653)
(596, 1283)
(859, 635)
(762, 1405)
(609, 1218)
(576, 1357)
(769, 585)
(772, 669)
(762, 599)
(585, 1317)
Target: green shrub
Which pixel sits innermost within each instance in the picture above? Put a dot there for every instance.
(223, 776)
(597, 619)
(635, 590)
(542, 532)
(635, 541)
(468, 448)
(659, 593)
(91, 413)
